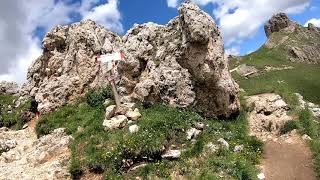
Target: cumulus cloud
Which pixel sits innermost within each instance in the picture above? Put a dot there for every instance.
(240, 19)
(105, 14)
(172, 3)
(314, 21)
(235, 50)
(20, 19)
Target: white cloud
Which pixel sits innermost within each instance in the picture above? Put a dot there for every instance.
(105, 14)
(314, 21)
(240, 19)
(19, 19)
(235, 50)
(172, 3)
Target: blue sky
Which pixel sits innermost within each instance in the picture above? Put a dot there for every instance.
(141, 11)
(23, 24)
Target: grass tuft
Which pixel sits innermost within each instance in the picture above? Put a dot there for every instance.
(289, 126)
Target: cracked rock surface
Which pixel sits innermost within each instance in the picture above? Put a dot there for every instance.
(182, 64)
(28, 158)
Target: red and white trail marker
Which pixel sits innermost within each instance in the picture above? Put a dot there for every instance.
(110, 59)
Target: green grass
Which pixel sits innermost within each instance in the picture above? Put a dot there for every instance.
(303, 79)
(310, 127)
(160, 127)
(13, 119)
(289, 126)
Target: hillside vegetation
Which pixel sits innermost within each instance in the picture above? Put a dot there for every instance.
(300, 78)
(115, 153)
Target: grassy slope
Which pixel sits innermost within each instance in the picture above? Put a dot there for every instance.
(101, 151)
(13, 119)
(304, 79)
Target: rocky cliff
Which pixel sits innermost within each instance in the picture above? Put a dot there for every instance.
(301, 44)
(182, 64)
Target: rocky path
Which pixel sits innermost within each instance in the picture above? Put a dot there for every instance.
(286, 157)
(26, 157)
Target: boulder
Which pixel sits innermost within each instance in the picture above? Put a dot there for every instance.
(199, 125)
(133, 128)
(171, 154)
(193, 133)
(182, 64)
(115, 122)
(246, 70)
(133, 115)
(110, 111)
(223, 143)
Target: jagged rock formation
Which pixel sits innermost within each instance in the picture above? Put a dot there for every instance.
(302, 44)
(26, 157)
(67, 67)
(277, 23)
(11, 88)
(182, 64)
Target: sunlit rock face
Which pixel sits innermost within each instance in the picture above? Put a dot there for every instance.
(182, 64)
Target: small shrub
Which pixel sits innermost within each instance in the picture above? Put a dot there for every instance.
(97, 98)
(289, 126)
(307, 121)
(75, 168)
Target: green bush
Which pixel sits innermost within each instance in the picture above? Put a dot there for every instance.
(97, 98)
(289, 126)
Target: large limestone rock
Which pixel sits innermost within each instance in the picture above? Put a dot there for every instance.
(301, 44)
(67, 67)
(182, 64)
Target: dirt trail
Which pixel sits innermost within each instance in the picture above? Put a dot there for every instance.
(286, 157)
(285, 161)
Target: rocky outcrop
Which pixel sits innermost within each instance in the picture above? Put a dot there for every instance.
(314, 108)
(11, 88)
(302, 44)
(67, 67)
(26, 157)
(277, 23)
(182, 64)
(268, 115)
